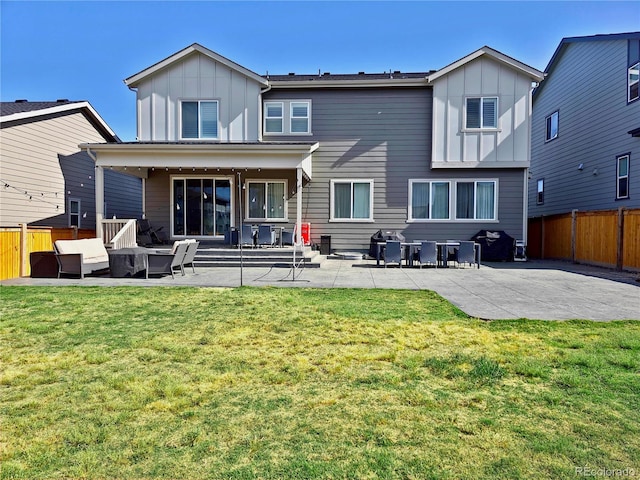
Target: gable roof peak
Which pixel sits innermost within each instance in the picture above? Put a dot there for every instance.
(494, 54)
(134, 80)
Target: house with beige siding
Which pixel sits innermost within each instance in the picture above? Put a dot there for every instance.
(46, 179)
(437, 154)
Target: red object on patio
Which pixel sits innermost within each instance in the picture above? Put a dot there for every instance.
(305, 233)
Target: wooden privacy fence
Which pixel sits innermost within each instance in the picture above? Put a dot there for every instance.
(16, 243)
(608, 238)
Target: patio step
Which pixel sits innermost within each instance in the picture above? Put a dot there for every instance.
(255, 257)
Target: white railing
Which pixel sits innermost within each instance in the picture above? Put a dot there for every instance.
(120, 233)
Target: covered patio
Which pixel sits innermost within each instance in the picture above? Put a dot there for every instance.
(203, 189)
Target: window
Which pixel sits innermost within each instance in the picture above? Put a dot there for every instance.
(352, 200)
(475, 200)
(266, 200)
(622, 176)
(540, 192)
(200, 119)
(482, 112)
(634, 78)
(433, 200)
(299, 117)
(273, 118)
(428, 200)
(552, 126)
(74, 212)
(287, 117)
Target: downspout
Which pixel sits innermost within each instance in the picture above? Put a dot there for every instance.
(260, 119)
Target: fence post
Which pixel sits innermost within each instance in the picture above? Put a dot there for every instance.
(23, 249)
(574, 228)
(620, 240)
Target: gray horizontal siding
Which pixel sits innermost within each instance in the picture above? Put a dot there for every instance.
(588, 87)
(385, 135)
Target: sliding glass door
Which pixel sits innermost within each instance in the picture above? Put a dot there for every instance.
(201, 206)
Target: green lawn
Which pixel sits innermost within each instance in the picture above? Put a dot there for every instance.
(181, 383)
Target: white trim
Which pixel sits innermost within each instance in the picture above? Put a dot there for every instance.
(134, 80)
(481, 128)
(70, 213)
(629, 83)
(266, 181)
(452, 183)
(59, 109)
(550, 118)
(520, 67)
(287, 117)
(199, 101)
(291, 117)
(619, 177)
(281, 117)
(332, 217)
(172, 177)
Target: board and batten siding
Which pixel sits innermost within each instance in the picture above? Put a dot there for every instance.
(507, 147)
(41, 157)
(588, 89)
(198, 77)
(385, 135)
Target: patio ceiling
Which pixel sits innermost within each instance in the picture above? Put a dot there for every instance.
(138, 158)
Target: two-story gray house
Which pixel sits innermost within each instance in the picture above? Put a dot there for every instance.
(586, 127)
(434, 155)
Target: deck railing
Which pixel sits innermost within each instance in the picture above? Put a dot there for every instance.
(119, 233)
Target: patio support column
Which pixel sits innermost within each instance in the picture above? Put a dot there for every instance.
(99, 200)
(299, 204)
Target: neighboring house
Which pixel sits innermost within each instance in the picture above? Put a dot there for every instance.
(45, 179)
(586, 127)
(434, 155)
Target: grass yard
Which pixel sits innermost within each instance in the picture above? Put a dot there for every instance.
(183, 383)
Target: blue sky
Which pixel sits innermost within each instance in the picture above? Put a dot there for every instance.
(82, 50)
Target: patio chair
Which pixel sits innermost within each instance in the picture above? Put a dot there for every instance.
(393, 253)
(162, 263)
(451, 252)
(190, 254)
(266, 236)
(428, 253)
(247, 235)
(466, 253)
(287, 236)
(147, 235)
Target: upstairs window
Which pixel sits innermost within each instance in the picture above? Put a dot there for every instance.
(552, 126)
(482, 112)
(287, 117)
(634, 78)
(622, 177)
(199, 120)
(273, 117)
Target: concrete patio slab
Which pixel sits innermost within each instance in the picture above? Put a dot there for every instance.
(545, 290)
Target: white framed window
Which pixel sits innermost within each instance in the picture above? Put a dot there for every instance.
(476, 200)
(74, 212)
(429, 200)
(352, 200)
(552, 126)
(299, 120)
(452, 200)
(540, 192)
(273, 117)
(199, 119)
(266, 200)
(481, 113)
(287, 117)
(633, 82)
(622, 176)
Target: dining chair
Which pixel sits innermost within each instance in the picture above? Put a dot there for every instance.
(247, 235)
(266, 236)
(466, 253)
(428, 253)
(393, 253)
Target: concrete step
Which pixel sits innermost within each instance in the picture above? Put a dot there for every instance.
(257, 257)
